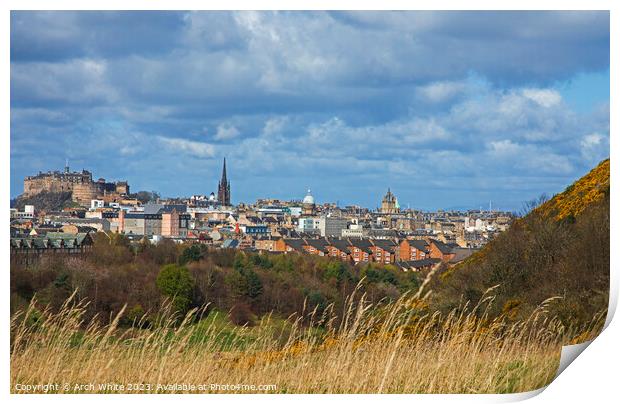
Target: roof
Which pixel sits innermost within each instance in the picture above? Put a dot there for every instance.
(318, 243)
(386, 245)
(289, 233)
(443, 247)
(86, 229)
(79, 237)
(295, 243)
(230, 243)
(269, 219)
(52, 240)
(461, 253)
(384, 233)
(152, 208)
(362, 243)
(180, 208)
(342, 245)
(418, 244)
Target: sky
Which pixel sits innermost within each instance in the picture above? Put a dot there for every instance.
(450, 110)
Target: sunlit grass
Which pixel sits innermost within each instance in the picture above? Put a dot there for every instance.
(391, 348)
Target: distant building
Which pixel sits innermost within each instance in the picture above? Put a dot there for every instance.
(27, 249)
(413, 250)
(308, 204)
(223, 188)
(389, 204)
(332, 226)
(28, 213)
(81, 185)
(309, 225)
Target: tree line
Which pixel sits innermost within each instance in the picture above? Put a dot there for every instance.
(246, 285)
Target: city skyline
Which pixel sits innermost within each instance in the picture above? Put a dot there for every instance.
(346, 104)
(222, 194)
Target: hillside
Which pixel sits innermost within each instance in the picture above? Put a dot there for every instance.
(47, 201)
(589, 189)
(559, 250)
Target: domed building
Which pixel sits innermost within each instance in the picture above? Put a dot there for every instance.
(389, 204)
(308, 203)
(308, 199)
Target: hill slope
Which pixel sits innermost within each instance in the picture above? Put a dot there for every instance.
(560, 249)
(589, 189)
(47, 201)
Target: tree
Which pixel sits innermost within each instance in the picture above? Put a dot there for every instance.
(191, 253)
(175, 282)
(254, 285)
(240, 262)
(146, 196)
(337, 270)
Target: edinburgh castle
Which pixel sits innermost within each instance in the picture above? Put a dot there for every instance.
(81, 185)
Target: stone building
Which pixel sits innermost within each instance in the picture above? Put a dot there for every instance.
(81, 185)
(389, 204)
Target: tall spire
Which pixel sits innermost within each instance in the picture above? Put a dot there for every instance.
(223, 188)
(224, 180)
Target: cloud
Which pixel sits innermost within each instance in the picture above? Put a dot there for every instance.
(226, 132)
(442, 105)
(441, 91)
(196, 149)
(544, 97)
(594, 147)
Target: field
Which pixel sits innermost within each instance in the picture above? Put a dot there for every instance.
(391, 348)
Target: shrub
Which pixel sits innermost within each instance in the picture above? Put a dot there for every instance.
(191, 254)
(241, 315)
(175, 282)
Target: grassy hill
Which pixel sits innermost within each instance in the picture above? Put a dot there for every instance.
(559, 250)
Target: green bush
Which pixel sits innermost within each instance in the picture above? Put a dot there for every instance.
(176, 283)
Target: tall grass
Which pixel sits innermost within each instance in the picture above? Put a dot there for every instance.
(390, 348)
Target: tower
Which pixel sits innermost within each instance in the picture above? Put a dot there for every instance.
(389, 204)
(223, 188)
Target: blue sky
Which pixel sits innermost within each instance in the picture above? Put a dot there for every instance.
(448, 109)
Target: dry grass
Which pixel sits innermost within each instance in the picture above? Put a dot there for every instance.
(395, 348)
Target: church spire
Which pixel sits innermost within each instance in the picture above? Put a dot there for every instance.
(224, 180)
(223, 188)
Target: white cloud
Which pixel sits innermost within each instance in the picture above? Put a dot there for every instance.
(441, 91)
(592, 140)
(527, 158)
(503, 148)
(544, 97)
(196, 149)
(226, 132)
(274, 126)
(594, 147)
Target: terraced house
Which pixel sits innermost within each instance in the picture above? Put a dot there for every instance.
(29, 248)
(410, 254)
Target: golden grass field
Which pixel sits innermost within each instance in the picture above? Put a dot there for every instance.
(394, 348)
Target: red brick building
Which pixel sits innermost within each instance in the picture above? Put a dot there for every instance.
(443, 251)
(413, 250)
(384, 251)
